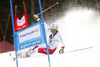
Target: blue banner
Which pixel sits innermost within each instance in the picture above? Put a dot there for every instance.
(31, 36)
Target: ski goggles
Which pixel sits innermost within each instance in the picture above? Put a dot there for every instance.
(53, 30)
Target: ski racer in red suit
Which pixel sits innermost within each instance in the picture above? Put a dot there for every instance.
(54, 40)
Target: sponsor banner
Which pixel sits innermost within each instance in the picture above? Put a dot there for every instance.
(31, 43)
(31, 36)
(29, 33)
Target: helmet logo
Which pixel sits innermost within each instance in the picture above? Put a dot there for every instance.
(53, 26)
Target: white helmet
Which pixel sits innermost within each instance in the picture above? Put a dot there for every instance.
(54, 26)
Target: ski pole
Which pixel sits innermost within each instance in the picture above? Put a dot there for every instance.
(81, 49)
(47, 9)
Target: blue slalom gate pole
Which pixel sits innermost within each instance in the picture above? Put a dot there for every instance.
(13, 31)
(44, 33)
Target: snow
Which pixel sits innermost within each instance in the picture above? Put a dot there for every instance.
(80, 28)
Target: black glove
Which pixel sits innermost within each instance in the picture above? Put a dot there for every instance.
(61, 51)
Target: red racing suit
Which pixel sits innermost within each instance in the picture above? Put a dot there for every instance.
(53, 42)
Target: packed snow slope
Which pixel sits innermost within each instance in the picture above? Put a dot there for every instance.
(80, 28)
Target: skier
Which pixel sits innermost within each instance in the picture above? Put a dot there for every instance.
(54, 39)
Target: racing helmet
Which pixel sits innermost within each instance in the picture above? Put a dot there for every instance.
(53, 27)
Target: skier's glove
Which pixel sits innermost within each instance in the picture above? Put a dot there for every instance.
(61, 51)
(36, 17)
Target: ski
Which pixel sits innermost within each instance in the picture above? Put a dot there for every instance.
(12, 56)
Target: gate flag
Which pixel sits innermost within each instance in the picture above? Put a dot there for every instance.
(21, 23)
(30, 36)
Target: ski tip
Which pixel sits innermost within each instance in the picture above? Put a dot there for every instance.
(9, 54)
(57, 2)
(14, 59)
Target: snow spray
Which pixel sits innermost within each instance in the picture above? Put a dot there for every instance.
(80, 28)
